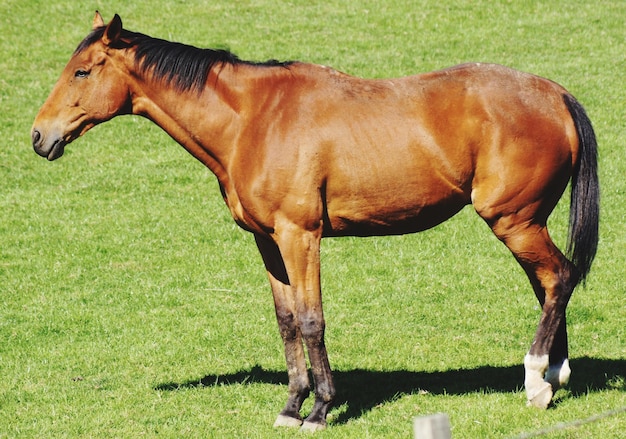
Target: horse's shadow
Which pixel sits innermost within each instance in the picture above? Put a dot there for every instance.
(361, 390)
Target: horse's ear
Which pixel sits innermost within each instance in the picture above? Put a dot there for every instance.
(113, 31)
(97, 21)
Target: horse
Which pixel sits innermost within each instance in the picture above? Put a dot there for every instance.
(302, 152)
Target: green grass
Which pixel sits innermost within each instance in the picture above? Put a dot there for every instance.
(131, 305)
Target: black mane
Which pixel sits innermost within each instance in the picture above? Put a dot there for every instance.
(186, 67)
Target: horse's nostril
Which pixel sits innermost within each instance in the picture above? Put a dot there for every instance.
(36, 137)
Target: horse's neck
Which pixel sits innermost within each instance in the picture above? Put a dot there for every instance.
(204, 124)
(209, 124)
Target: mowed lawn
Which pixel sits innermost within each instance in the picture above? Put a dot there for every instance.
(132, 306)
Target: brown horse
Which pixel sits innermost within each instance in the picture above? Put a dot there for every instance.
(303, 152)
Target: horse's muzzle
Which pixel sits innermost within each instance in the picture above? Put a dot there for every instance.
(50, 150)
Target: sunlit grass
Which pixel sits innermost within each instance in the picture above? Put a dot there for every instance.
(131, 305)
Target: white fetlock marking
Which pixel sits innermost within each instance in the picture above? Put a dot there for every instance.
(536, 362)
(538, 392)
(535, 367)
(287, 421)
(558, 375)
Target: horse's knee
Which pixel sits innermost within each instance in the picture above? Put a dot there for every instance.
(312, 327)
(287, 325)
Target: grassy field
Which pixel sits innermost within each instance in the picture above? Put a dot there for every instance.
(132, 306)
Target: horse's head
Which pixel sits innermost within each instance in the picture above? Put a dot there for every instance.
(90, 90)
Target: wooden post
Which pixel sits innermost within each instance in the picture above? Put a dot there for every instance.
(432, 427)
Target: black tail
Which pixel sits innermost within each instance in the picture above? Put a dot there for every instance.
(582, 240)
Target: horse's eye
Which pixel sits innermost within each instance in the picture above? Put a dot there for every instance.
(81, 74)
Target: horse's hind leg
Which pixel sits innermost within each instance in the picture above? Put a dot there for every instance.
(553, 279)
(558, 372)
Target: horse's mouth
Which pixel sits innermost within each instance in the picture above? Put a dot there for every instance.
(57, 150)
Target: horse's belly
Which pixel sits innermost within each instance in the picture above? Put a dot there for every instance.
(403, 191)
(388, 218)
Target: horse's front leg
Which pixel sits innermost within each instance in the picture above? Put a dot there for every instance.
(300, 250)
(299, 386)
(287, 324)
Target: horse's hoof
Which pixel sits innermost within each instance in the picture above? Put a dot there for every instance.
(312, 426)
(542, 397)
(287, 421)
